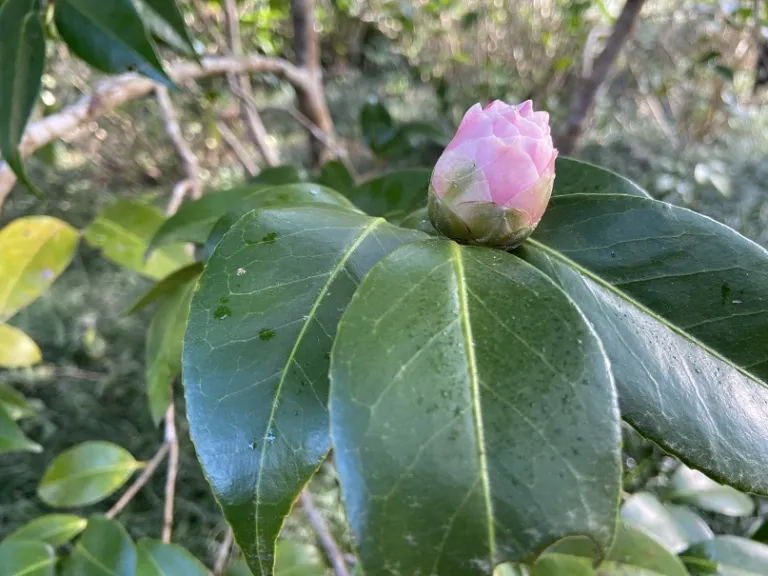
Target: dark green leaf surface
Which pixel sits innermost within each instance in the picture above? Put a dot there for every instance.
(16, 405)
(12, 439)
(123, 230)
(53, 529)
(730, 556)
(577, 177)
(110, 36)
(633, 553)
(393, 194)
(336, 175)
(278, 175)
(26, 559)
(194, 220)
(86, 474)
(104, 549)
(22, 59)
(163, 347)
(681, 305)
(256, 352)
(169, 24)
(158, 559)
(166, 285)
(694, 488)
(280, 196)
(377, 125)
(473, 414)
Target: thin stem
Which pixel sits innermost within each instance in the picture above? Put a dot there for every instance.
(327, 541)
(224, 552)
(172, 440)
(139, 483)
(237, 147)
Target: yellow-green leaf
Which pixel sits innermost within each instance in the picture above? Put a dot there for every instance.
(12, 439)
(53, 529)
(17, 349)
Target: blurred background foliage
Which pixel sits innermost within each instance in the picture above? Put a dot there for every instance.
(682, 113)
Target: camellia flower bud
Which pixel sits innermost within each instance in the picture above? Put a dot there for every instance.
(493, 181)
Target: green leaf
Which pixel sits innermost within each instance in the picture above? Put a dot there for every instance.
(123, 231)
(194, 220)
(12, 439)
(409, 137)
(158, 559)
(298, 559)
(166, 285)
(693, 526)
(16, 404)
(166, 21)
(694, 488)
(53, 529)
(393, 194)
(278, 175)
(730, 556)
(280, 196)
(26, 559)
(578, 177)
(104, 549)
(681, 305)
(22, 59)
(445, 359)
(256, 354)
(17, 350)
(336, 175)
(86, 474)
(644, 511)
(377, 125)
(110, 36)
(633, 553)
(35, 251)
(163, 347)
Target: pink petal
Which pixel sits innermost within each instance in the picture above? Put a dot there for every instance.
(512, 173)
(473, 111)
(503, 128)
(496, 106)
(525, 109)
(528, 128)
(539, 150)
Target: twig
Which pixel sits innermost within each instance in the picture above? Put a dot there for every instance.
(237, 147)
(70, 372)
(224, 552)
(327, 541)
(172, 440)
(139, 483)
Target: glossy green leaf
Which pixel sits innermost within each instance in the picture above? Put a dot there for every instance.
(158, 559)
(166, 21)
(110, 36)
(336, 175)
(693, 526)
(633, 553)
(643, 510)
(298, 559)
(26, 559)
(35, 251)
(16, 405)
(12, 439)
(238, 568)
(278, 176)
(280, 196)
(166, 285)
(377, 125)
(104, 549)
(86, 474)
(445, 360)
(53, 529)
(163, 347)
(694, 488)
(256, 354)
(17, 350)
(22, 59)
(578, 177)
(728, 556)
(409, 137)
(123, 231)
(194, 220)
(393, 194)
(681, 305)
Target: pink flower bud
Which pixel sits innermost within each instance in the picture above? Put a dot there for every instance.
(493, 181)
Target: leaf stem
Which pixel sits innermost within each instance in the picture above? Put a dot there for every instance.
(224, 552)
(172, 441)
(327, 541)
(146, 474)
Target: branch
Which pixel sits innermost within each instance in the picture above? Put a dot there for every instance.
(585, 98)
(237, 147)
(172, 441)
(224, 552)
(146, 474)
(327, 541)
(118, 90)
(242, 84)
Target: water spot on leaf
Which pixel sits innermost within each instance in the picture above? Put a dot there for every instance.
(735, 301)
(269, 238)
(222, 312)
(270, 437)
(240, 271)
(266, 334)
(613, 254)
(46, 274)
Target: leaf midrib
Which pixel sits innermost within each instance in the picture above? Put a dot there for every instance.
(32, 567)
(309, 318)
(627, 298)
(466, 325)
